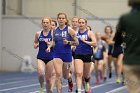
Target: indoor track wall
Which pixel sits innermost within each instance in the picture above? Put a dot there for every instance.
(18, 36)
(22, 20)
(0, 35)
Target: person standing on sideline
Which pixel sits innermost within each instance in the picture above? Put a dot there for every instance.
(44, 58)
(83, 55)
(128, 31)
(63, 37)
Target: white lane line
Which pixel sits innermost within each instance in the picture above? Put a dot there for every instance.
(117, 90)
(2, 90)
(100, 85)
(15, 79)
(54, 88)
(16, 82)
(82, 89)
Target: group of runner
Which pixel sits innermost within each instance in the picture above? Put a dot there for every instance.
(75, 50)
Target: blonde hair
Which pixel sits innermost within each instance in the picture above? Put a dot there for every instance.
(89, 27)
(83, 19)
(75, 17)
(47, 18)
(67, 23)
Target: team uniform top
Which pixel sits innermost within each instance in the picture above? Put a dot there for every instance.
(58, 38)
(100, 50)
(83, 48)
(42, 54)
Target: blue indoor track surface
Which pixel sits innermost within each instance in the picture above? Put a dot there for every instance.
(19, 82)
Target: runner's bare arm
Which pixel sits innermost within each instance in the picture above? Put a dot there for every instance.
(52, 42)
(93, 39)
(75, 41)
(36, 43)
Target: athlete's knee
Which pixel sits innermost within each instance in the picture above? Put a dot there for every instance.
(87, 75)
(104, 65)
(66, 76)
(79, 74)
(53, 74)
(48, 80)
(119, 65)
(58, 74)
(41, 74)
(58, 82)
(99, 69)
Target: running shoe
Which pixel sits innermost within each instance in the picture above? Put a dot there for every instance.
(101, 76)
(118, 81)
(105, 79)
(97, 82)
(78, 91)
(70, 86)
(123, 82)
(87, 88)
(110, 75)
(41, 90)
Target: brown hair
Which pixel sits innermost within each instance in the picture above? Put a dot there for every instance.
(67, 23)
(54, 22)
(108, 27)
